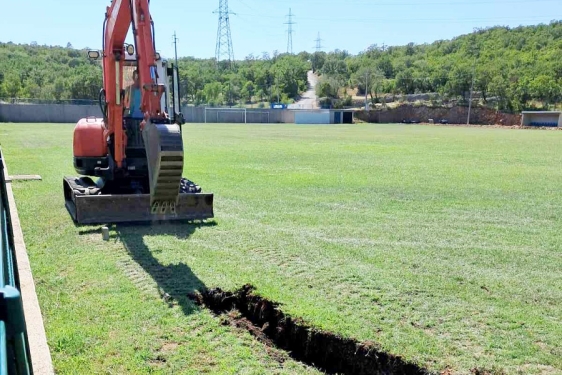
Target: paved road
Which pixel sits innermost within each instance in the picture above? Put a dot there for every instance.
(308, 99)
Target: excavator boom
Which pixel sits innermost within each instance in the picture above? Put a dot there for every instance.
(137, 154)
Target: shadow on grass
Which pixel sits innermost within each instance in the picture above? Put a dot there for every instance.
(175, 281)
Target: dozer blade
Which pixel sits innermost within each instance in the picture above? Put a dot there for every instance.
(88, 205)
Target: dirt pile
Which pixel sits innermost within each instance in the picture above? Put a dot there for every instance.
(324, 350)
(453, 115)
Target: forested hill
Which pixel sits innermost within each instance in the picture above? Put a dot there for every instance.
(41, 72)
(57, 73)
(516, 66)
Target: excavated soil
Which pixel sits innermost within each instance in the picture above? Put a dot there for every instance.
(325, 351)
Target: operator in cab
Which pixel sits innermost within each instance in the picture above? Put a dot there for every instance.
(133, 98)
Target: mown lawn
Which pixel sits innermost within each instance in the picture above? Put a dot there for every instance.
(441, 244)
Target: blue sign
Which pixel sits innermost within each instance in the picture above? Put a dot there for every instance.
(278, 106)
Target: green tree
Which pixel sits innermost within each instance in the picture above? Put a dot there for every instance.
(369, 79)
(545, 88)
(212, 93)
(328, 87)
(248, 91)
(59, 88)
(12, 85)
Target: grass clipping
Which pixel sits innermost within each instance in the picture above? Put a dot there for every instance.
(323, 350)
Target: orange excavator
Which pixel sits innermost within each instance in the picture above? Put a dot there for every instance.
(135, 150)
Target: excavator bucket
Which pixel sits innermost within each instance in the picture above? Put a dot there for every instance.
(164, 153)
(88, 204)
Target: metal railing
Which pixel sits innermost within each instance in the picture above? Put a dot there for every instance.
(15, 357)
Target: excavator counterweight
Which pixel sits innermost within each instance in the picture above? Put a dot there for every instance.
(136, 149)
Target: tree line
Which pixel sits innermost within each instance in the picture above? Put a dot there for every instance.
(256, 79)
(57, 73)
(47, 73)
(515, 68)
(510, 68)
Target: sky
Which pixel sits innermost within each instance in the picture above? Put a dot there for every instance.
(258, 26)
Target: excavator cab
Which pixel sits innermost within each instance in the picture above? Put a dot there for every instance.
(169, 74)
(148, 185)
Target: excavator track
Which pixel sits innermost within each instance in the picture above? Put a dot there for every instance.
(87, 203)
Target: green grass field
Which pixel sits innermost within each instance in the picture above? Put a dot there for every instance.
(441, 244)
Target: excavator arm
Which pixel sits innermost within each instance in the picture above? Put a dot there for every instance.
(121, 16)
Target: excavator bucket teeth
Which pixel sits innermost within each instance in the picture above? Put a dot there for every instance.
(88, 205)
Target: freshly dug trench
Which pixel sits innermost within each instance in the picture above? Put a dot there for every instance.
(324, 350)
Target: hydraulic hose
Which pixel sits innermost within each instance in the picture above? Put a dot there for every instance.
(102, 104)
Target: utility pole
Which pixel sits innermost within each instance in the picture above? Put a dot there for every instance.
(176, 67)
(475, 50)
(224, 50)
(277, 87)
(366, 89)
(471, 88)
(290, 32)
(176, 48)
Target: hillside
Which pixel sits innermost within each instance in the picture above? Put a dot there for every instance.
(516, 66)
(47, 73)
(514, 69)
(57, 73)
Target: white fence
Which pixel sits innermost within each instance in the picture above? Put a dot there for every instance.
(206, 115)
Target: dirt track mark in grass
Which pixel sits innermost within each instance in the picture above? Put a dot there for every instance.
(326, 351)
(137, 275)
(171, 282)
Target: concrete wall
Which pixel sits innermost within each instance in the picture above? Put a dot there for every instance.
(314, 117)
(49, 113)
(70, 113)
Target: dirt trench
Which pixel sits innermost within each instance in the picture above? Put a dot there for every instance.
(325, 351)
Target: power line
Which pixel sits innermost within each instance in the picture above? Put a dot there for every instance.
(443, 3)
(224, 50)
(290, 32)
(246, 5)
(249, 24)
(389, 20)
